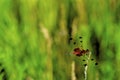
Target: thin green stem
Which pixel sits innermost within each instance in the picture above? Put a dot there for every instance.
(86, 67)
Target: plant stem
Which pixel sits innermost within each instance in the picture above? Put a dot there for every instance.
(86, 67)
(73, 71)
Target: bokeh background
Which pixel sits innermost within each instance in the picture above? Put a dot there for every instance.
(34, 39)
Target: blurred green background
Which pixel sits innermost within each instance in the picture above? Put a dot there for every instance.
(34, 39)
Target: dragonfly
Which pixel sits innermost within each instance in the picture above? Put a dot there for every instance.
(78, 49)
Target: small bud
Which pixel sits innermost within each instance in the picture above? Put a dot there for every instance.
(81, 41)
(85, 64)
(96, 63)
(74, 43)
(70, 38)
(80, 37)
(2, 71)
(83, 60)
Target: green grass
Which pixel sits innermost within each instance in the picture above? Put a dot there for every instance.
(34, 38)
